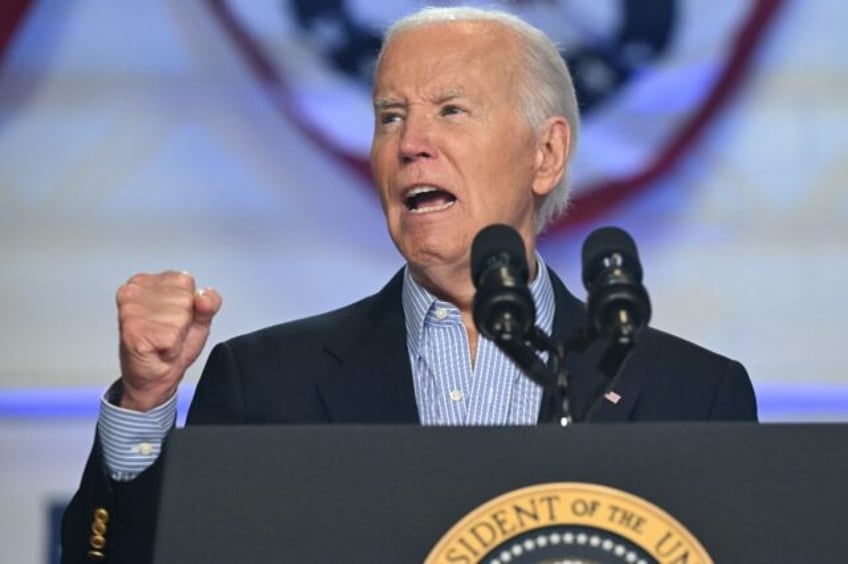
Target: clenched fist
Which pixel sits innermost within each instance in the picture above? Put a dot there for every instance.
(164, 321)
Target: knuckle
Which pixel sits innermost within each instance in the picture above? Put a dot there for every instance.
(125, 296)
(140, 278)
(121, 294)
(130, 290)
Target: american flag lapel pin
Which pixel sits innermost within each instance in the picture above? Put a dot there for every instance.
(612, 397)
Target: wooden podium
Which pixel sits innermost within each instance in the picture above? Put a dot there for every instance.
(748, 493)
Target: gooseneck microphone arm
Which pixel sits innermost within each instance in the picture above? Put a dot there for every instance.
(505, 313)
(552, 377)
(618, 309)
(558, 387)
(618, 305)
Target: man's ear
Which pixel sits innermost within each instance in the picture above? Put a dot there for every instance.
(551, 154)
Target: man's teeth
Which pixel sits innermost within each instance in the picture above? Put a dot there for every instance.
(428, 199)
(433, 208)
(420, 190)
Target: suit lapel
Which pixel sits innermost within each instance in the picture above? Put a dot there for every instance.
(373, 383)
(586, 381)
(615, 403)
(618, 404)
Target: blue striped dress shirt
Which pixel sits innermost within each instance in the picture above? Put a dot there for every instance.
(448, 391)
(449, 388)
(132, 440)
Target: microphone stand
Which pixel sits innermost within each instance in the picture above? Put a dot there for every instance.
(554, 377)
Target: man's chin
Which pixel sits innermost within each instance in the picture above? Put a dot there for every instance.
(448, 256)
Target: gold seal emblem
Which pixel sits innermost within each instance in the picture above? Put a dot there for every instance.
(571, 523)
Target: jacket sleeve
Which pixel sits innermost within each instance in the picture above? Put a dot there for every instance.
(112, 521)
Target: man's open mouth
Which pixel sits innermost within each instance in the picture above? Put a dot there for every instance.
(427, 199)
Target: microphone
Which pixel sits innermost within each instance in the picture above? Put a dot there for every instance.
(503, 307)
(618, 304)
(504, 311)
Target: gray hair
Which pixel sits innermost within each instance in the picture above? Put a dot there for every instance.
(545, 87)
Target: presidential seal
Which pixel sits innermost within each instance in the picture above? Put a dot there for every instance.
(568, 523)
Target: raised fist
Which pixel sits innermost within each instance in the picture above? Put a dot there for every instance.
(164, 322)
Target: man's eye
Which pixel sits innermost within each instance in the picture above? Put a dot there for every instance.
(388, 118)
(451, 110)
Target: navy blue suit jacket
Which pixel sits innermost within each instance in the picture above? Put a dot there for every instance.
(352, 366)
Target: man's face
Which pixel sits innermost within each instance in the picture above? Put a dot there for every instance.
(452, 151)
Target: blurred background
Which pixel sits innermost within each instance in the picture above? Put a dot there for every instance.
(230, 139)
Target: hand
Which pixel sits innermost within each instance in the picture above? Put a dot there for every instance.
(164, 322)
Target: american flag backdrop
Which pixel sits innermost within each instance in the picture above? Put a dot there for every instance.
(230, 138)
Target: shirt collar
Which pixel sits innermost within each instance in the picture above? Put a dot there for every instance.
(417, 303)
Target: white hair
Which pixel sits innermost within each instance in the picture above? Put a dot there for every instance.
(545, 85)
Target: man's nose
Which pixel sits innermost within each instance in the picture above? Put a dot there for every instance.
(416, 140)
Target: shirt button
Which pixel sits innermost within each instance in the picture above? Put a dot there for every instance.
(456, 395)
(441, 312)
(145, 449)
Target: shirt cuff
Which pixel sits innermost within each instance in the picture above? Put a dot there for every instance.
(132, 440)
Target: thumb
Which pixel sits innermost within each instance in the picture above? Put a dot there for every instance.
(207, 302)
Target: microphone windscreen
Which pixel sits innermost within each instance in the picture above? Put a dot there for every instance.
(601, 244)
(492, 243)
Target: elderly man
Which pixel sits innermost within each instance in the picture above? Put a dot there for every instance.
(475, 119)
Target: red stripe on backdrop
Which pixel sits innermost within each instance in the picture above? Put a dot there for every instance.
(259, 63)
(598, 199)
(589, 203)
(10, 18)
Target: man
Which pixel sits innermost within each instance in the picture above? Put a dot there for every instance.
(475, 120)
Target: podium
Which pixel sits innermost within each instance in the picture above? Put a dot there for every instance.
(748, 493)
